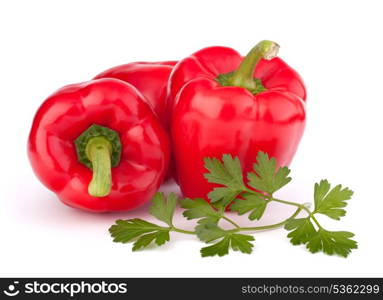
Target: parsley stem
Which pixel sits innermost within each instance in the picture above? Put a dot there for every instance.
(315, 221)
(271, 198)
(272, 225)
(231, 221)
(291, 203)
(182, 230)
(300, 206)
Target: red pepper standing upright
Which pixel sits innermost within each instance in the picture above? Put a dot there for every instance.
(150, 78)
(99, 146)
(222, 103)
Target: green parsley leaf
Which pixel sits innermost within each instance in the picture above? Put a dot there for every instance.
(252, 202)
(208, 232)
(222, 196)
(332, 242)
(159, 237)
(237, 242)
(125, 231)
(227, 173)
(221, 248)
(163, 208)
(242, 243)
(198, 208)
(303, 230)
(330, 202)
(268, 178)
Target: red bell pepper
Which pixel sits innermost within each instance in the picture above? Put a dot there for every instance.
(223, 103)
(150, 78)
(99, 146)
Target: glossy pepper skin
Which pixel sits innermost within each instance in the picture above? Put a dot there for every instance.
(112, 105)
(150, 78)
(215, 112)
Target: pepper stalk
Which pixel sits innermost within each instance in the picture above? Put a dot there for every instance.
(244, 75)
(98, 151)
(99, 148)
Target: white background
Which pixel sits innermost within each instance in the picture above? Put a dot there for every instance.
(336, 46)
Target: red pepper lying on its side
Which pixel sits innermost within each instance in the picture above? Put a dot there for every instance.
(99, 146)
(150, 78)
(223, 103)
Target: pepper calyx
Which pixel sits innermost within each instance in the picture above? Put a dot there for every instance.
(98, 131)
(226, 80)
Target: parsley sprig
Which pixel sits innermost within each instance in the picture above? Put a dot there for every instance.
(251, 198)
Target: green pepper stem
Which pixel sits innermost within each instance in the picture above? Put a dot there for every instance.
(243, 76)
(98, 151)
